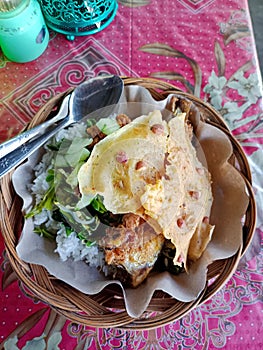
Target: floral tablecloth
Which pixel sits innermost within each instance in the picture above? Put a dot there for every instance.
(205, 47)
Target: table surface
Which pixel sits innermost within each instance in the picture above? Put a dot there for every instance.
(205, 47)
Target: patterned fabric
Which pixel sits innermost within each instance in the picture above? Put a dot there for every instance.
(205, 47)
(196, 5)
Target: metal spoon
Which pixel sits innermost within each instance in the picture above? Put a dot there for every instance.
(91, 88)
(86, 98)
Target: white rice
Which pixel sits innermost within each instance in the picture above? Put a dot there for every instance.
(42, 218)
(77, 130)
(72, 247)
(68, 246)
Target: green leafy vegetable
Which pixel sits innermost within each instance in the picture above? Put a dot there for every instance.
(77, 151)
(72, 152)
(98, 205)
(84, 201)
(48, 198)
(86, 240)
(55, 146)
(62, 198)
(107, 125)
(43, 232)
(72, 179)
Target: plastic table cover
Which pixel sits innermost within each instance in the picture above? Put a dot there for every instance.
(205, 47)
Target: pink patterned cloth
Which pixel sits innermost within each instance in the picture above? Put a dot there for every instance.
(205, 47)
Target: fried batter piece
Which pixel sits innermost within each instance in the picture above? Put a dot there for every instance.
(154, 178)
(123, 119)
(95, 133)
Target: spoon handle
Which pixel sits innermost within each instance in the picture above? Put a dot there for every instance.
(14, 158)
(10, 145)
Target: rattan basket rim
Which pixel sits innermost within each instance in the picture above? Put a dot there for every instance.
(97, 310)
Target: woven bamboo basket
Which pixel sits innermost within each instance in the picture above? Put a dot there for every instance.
(106, 309)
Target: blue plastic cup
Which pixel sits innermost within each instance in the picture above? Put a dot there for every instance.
(23, 32)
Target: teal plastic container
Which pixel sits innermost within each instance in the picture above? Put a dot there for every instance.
(23, 32)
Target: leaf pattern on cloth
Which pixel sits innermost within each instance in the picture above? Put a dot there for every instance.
(234, 96)
(207, 326)
(23, 328)
(244, 91)
(49, 339)
(236, 28)
(166, 50)
(9, 275)
(37, 343)
(220, 59)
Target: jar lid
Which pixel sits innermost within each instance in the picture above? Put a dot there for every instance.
(10, 8)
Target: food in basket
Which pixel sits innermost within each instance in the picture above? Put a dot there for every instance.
(125, 195)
